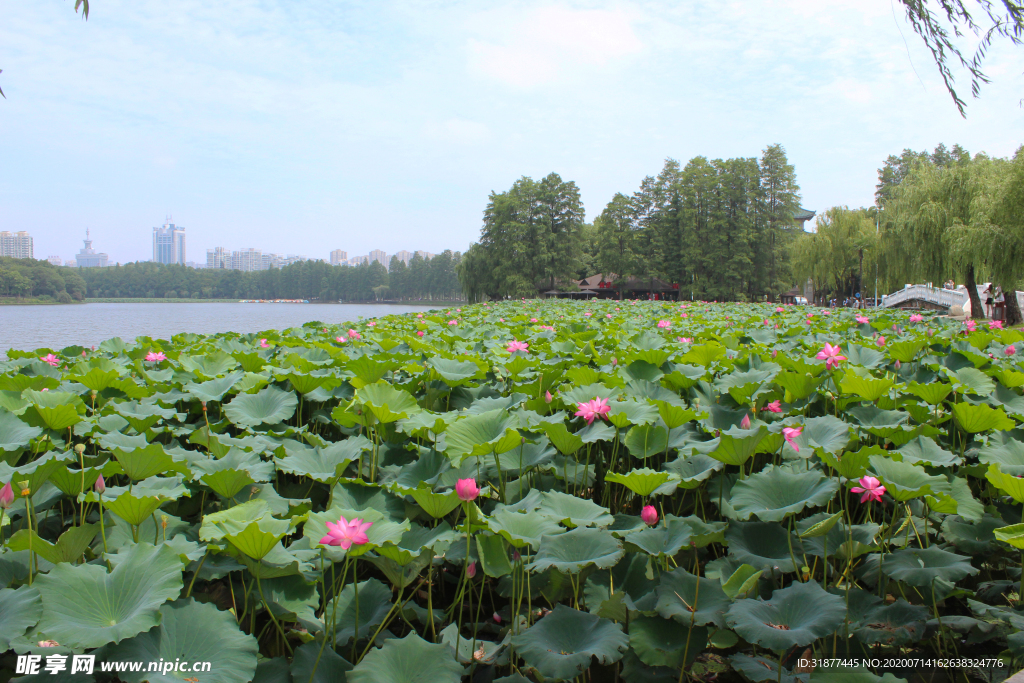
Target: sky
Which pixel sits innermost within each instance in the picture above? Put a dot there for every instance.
(302, 127)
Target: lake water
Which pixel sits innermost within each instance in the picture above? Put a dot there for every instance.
(33, 327)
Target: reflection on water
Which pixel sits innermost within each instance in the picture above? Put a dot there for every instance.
(33, 327)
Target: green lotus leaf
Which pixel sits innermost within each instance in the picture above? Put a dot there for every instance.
(85, 607)
(56, 410)
(310, 663)
(680, 598)
(453, 372)
(1005, 452)
(661, 642)
(15, 434)
(387, 403)
(643, 482)
(213, 390)
(258, 538)
(864, 357)
(565, 441)
(775, 492)
(96, 379)
(131, 508)
(493, 553)
(575, 550)
(574, 511)
(742, 581)
(68, 548)
(703, 354)
(437, 505)
(694, 469)
(795, 616)
(191, 632)
(417, 539)
(20, 610)
(268, 406)
(763, 545)
(632, 412)
(326, 463)
(972, 380)
(236, 470)
(646, 440)
(799, 385)
(142, 416)
(921, 566)
(905, 351)
(523, 528)
(932, 393)
(373, 605)
(210, 363)
(490, 432)
(564, 644)
(879, 422)
(736, 446)
(852, 465)
(1012, 402)
(761, 668)
(893, 625)
(823, 527)
(1007, 483)
(904, 481)
(971, 538)
(664, 540)
(980, 418)
(867, 388)
(146, 462)
(36, 473)
(71, 482)
(675, 416)
(407, 660)
(1013, 534)
(924, 450)
(827, 433)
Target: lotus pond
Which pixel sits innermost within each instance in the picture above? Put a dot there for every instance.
(520, 491)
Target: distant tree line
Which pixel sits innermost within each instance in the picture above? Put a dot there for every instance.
(720, 229)
(29, 278)
(315, 280)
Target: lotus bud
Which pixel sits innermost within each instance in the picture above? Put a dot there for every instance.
(775, 352)
(471, 569)
(898, 364)
(466, 489)
(615, 361)
(79, 448)
(745, 422)
(547, 397)
(496, 617)
(6, 496)
(163, 522)
(100, 485)
(649, 515)
(516, 556)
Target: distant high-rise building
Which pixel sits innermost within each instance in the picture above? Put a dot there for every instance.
(54, 260)
(403, 256)
(247, 260)
(338, 257)
(357, 260)
(169, 244)
(88, 258)
(16, 245)
(425, 255)
(219, 257)
(379, 256)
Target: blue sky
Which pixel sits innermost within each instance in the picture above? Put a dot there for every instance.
(301, 127)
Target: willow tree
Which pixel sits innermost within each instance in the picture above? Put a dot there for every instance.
(834, 256)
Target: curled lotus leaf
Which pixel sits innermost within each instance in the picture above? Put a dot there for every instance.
(20, 609)
(523, 528)
(663, 642)
(794, 616)
(922, 566)
(574, 511)
(893, 625)
(694, 469)
(575, 550)
(407, 660)
(680, 598)
(763, 545)
(776, 492)
(268, 406)
(1005, 452)
(564, 644)
(643, 482)
(904, 481)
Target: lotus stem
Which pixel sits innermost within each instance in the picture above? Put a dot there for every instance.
(195, 574)
(259, 585)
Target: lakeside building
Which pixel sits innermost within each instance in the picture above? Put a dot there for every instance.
(16, 245)
(380, 257)
(218, 257)
(169, 244)
(247, 260)
(88, 257)
(54, 260)
(358, 260)
(425, 255)
(403, 256)
(338, 257)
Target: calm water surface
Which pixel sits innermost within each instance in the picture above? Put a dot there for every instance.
(33, 327)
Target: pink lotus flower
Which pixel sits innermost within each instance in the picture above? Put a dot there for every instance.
(615, 361)
(774, 407)
(880, 342)
(830, 354)
(767, 321)
(340, 340)
(745, 422)
(588, 314)
(664, 323)
(790, 434)
(684, 315)
(971, 325)
(548, 397)
(548, 327)
(100, 485)
(533, 320)
(649, 515)
(898, 364)
(685, 340)
(466, 489)
(264, 344)
(496, 617)
(453, 322)
(419, 315)
(1010, 350)
(156, 357)
(346, 534)
(83, 354)
(916, 318)
(514, 346)
(593, 409)
(371, 324)
(809, 316)
(50, 359)
(995, 324)
(6, 496)
(826, 312)
(420, 333)
(871, 488)
(779, 309)
(471, 569)
(608, 315)
(861, 319)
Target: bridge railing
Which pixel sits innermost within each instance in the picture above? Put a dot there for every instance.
(934, 295)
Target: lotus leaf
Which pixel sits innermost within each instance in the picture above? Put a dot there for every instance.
(409, 660)
(922, 566)
(775, 492)
(563, 644)
(661, 642)
(268, 406)
(20, 609)
(795, 616)
(679, 598)
(575, 550)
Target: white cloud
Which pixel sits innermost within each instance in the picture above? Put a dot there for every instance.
(548, 43)
(458, 131)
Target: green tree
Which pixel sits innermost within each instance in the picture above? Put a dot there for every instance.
(775, 228)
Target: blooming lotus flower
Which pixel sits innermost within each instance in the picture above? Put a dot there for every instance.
(533, 320)
(995, 324)
(340, 340)
(453, 322)
(471, 569)
(371, 324)
(593, 409)
(100, 485)
(916, 318)
(548, 327)
(826, 312)
(346, 533)
(1010, 350)
(264, 344)
(419, 315)
(971, 325)
(684, 315)
(420, 333)
(6, 496)
(466, 489)
(664, 323)
(779, 309)
(155, 357)
(880, 342)
(871, 488)
(352, 334)
(548, 397)
(649, 515)
(790, 434)
(608, 315)
(830, 354)
(774, 407)
(50, 359)
(861, 319)
(517, 346)
(685, 340)
(745, 422)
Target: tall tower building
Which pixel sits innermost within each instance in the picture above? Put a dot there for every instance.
(404, 256)
(169, 243)
(88, 258)
(380, 257)
(247, 260)
(338, 257)
(16, 245)
(218, 257)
